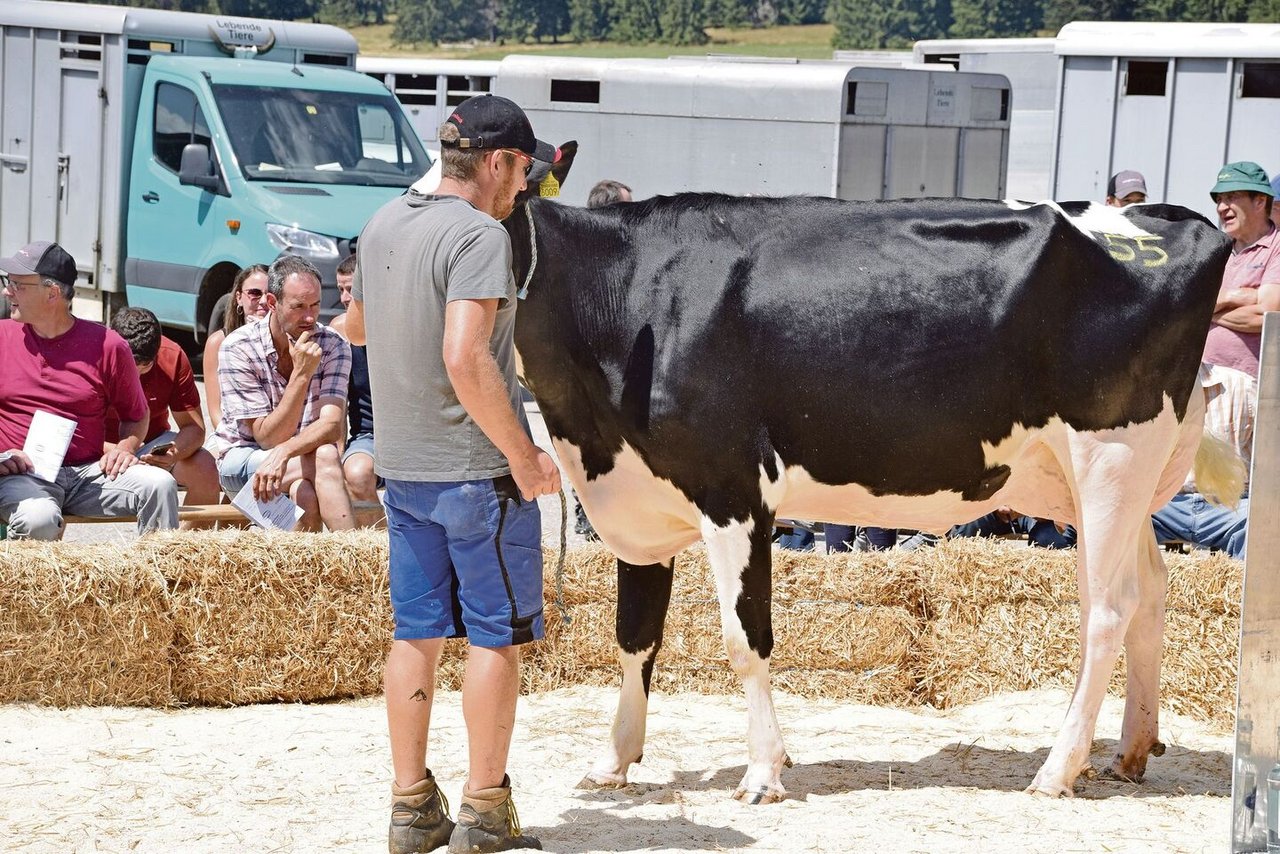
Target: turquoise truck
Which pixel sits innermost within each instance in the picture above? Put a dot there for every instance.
(167, 150)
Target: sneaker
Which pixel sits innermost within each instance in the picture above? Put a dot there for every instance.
(487, 821)
(419, 818)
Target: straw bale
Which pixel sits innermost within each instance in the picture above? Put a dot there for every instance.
(268, 616)
(1205, 583)
(82, 624)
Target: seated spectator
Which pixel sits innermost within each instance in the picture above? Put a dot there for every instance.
(170, 386)
(248, 302)
(1006, 521)
(608, 192)
(1189, 517)
(54, 363)
(1126, 188)
(357, 459)
(284, 388)
(847, 538)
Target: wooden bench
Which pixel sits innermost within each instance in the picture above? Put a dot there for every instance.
(369, 514)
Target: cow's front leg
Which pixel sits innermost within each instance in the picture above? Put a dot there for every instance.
(644, 592)
(741, 561)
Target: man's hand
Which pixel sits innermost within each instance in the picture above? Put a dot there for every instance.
(14, 461)
(268, 479)
(165, 459)
(116, 460)
(537, 475)
(306, 355)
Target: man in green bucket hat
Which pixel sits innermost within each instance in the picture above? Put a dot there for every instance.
(1251, 282)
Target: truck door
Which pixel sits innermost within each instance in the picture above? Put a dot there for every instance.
(171, 226)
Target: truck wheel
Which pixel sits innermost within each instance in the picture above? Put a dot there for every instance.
(218, 315)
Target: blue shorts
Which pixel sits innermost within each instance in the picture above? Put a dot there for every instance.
(466, 561)
(362, 444)
(238, 465)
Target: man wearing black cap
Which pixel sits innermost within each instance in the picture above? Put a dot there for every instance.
(435, 298)
(53, 363)
(1251, 281)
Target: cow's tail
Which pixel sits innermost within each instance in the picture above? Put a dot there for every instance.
(1219, 471)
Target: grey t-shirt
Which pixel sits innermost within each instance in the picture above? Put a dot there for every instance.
(416, 254)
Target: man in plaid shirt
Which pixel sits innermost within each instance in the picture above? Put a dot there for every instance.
(284, 390)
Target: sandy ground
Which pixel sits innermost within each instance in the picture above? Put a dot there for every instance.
(294, 778)
(315, 778)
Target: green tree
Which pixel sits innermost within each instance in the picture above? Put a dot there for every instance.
(340, 13)
(730, 13)
(518, 19)
(879, 24)
(589, 20)
(981, 19)
(682, 22)
(553, 19)
(635, 21)
(801, 11)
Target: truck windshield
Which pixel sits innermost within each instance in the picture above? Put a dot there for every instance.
(318, 137)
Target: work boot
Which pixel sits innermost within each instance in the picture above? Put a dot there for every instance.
(419, 818)
(487, 821)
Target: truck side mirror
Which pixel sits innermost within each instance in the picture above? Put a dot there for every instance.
(196, 168)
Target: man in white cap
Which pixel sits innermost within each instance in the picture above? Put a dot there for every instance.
(71, 372)
(1126, 188)
(435, 298)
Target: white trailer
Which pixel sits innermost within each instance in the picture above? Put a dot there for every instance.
(429, 88)
(1174, 101)
(768, 128)
(1032, 68)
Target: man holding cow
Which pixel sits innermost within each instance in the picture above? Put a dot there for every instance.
(462, 472)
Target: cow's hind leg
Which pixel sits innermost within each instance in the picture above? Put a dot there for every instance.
(1116, 474)
(1143, 647)
(740, 557)
(644, 592)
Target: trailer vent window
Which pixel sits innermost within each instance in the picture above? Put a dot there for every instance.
(989, 104)
(326, 59)
(1146, 78)
(458, 89)
(140, 50)
(867, 98)
(576, 91)
(416, 90)
(1260, 80)
(82, 46)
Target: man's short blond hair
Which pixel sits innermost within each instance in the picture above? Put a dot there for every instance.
(460, 164)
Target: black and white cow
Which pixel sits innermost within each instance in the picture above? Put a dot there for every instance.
(705, 363)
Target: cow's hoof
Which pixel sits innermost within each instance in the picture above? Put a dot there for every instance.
(786, 761)
(1157, 749)
(763, 795)
(598, 780)
(1042, 786)
(1119, 775)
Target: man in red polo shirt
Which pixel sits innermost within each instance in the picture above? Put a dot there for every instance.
(170, 386)
(74, 371)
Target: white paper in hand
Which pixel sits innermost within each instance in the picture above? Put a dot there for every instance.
(280, 512)
(47, 441)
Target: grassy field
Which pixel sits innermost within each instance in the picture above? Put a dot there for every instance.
(801, 42)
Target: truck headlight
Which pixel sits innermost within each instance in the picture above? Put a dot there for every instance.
(299, 241)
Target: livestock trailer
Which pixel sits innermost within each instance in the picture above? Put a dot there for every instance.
(1032, 68)
(1173, 100)
(768, 127)
(429, 88)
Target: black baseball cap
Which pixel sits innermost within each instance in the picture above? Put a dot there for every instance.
(42, 258)
(492, 121)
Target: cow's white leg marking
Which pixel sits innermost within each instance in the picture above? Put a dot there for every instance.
(644, 593)
(1115, 474)
(626, 742)
(729, 551)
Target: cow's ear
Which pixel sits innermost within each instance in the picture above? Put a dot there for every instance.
(549, 185)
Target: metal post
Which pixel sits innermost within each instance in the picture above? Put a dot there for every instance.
(1258, 685)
